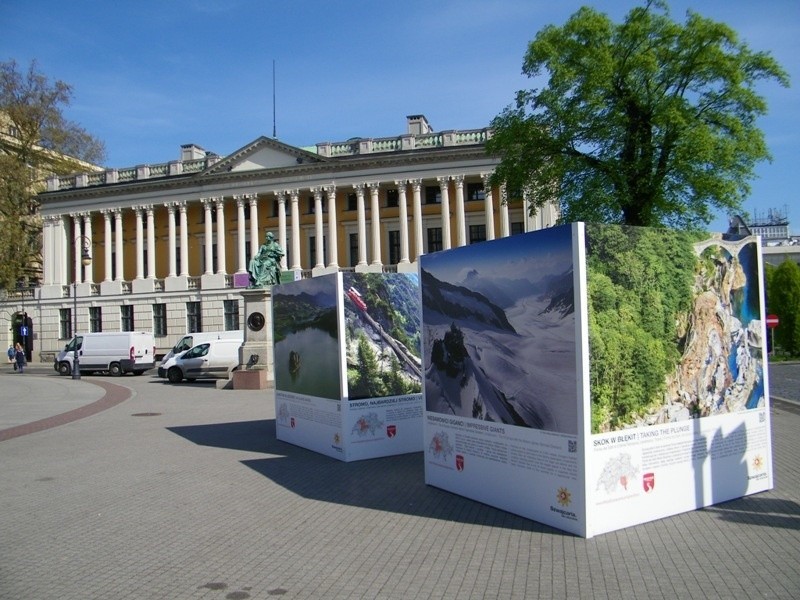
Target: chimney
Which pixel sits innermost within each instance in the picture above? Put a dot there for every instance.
(191, 152)
(418, 125)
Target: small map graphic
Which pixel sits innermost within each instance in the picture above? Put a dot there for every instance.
(440, 446)
(618, 473)
(368, 424)
(283, 414)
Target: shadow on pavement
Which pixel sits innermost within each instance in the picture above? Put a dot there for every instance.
(391, 484)
(758, 510)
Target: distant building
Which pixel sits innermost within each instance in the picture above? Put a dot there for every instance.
(777, 243)
(170, 243)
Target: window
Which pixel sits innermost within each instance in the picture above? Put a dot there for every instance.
(392, 198)
(475, 191)
(274, 209)
(312, 250)
(198, 351)
(394, 247)
(434, 239)
(64, 323)
(126, 314)
(194, 321)
(352, 201)
(353, 249)
(210, 268)
(311, 204)
(477, 233)
(95, 319)
(231, 310)
(433, 194)
(517, 227)
(159, 320)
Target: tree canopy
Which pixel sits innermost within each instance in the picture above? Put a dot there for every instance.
(783, 299)
(648, 122)
(35, 142)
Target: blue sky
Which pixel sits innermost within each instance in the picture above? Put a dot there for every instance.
(150, 75)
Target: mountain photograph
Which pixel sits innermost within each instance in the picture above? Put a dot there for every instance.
(498, 329)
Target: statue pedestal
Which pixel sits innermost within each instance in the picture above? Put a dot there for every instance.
(256, 364)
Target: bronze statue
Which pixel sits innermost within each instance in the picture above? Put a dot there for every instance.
(265, 266)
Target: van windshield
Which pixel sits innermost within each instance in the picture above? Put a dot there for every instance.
(76, 341)
(184, 344)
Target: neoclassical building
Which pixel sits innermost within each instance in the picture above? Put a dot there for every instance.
(165, 247)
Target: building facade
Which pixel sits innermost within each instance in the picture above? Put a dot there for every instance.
(165, 248)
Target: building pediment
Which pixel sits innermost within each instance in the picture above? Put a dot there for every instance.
(263, 154)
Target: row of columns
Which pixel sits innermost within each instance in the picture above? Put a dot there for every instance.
(82, 229)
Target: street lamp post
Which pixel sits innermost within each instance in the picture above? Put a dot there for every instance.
(86, 260)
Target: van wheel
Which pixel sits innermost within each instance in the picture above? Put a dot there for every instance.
(114, 369)
(174, 375)
(64, 368)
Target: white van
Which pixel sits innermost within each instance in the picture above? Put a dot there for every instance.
(116, 352)
(192, 339)
(214, 359)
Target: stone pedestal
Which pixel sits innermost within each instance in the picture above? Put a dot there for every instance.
(256, 363)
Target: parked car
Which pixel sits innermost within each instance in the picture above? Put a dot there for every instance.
(192, 339)
(116, 352)
(214, 359)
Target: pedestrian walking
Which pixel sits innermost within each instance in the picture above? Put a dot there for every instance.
(12, 356)
(19, 357)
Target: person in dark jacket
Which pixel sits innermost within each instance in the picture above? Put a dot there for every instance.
(19, 356)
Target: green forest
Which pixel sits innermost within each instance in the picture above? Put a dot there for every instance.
(639, 284)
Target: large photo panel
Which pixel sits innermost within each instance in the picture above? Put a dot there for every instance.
(308, 365)
(502, 383)
(679, 403)
(383, 408)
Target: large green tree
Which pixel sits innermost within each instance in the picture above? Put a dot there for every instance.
(35, 141)
(648, 122)
(783, 299)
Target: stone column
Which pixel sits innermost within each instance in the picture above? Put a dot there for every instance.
(107, 242)
(461, 237)
(151, 243)
(137, 211)
(318, 245)
(48, 225)
(118, 239)
(488, 207)
(375, 220)
(416, 187)
(294, 196)
(88, 271)
(184, 239)
(504, 227)
(401, 201)
(443, 186)
(171, 243)
(362, 225)
(253, 200)
(240, 241)
(77, 246)
(221, 262)
(282, 226)
(209, 241)
(333, 240)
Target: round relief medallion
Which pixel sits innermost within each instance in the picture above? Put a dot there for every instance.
(256, 321)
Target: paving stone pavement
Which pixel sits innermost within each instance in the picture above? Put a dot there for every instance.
(164, 491)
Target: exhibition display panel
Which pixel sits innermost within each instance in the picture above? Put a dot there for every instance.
(593, 377)
(348, 380)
